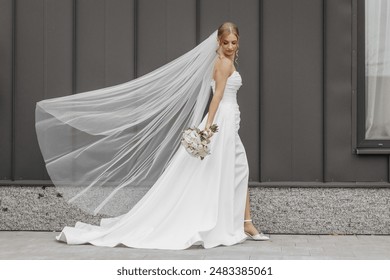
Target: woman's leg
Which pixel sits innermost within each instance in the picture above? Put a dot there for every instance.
(248, 226)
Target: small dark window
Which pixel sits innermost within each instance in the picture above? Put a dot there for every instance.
(373, 83)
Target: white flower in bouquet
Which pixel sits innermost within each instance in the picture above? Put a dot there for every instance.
(195, 141)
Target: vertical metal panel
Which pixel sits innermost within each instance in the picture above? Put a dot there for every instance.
(341, 163)
(58, 67)
(307, 87)
(90, 49)
(166, 30)
(197, 19)
(135, 46)
(29, 65)
(291, 134)
(356, 24)
(6, 52)
(119, 41)
(212, 15)
(151, 35)
(246, 15)
(180, 27)
(58, 48)
(277, 91)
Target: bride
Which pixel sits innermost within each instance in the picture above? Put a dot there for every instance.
(103, 148)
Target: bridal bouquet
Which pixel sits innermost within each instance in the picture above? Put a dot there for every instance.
(195, 141)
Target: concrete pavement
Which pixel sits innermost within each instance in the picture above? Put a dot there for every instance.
(18, 245)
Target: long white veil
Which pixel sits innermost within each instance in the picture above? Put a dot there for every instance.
(105, 148)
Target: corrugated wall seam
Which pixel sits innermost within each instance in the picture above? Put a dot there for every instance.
(13, 90)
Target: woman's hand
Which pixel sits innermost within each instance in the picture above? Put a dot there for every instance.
(210, 129)
(207, 132)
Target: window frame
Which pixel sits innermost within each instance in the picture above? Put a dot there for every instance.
(363, 145)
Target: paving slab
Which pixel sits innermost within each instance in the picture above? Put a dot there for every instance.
(35, 245)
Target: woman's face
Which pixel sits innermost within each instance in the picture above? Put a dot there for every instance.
(228, 45)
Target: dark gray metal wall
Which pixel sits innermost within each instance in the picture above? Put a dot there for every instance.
(65, 46)
(291, 92)
(295, 58)
(6, 90)
(340, 163)
(307, 131)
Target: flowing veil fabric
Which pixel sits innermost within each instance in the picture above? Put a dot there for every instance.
(105, 148)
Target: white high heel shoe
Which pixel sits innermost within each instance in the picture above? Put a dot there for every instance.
(257, 237)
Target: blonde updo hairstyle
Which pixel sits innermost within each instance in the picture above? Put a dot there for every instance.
(229, 28)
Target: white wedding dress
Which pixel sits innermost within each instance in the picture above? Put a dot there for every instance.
(193, 202)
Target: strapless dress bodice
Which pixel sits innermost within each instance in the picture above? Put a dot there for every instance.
(233, 83)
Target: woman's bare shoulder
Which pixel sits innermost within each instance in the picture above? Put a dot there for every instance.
(224, 66)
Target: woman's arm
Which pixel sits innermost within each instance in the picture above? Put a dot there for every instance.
(222, 72)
